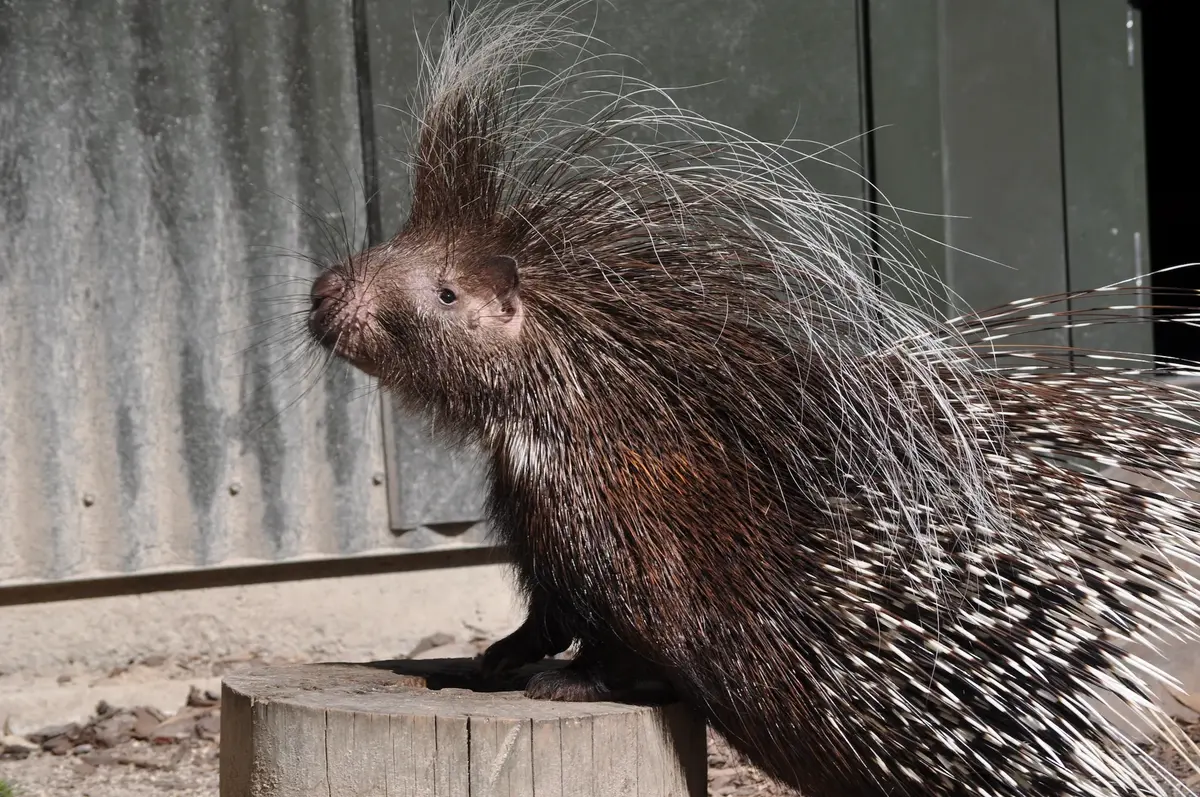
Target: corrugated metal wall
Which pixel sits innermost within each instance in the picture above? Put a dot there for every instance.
(152, 157)
(166, 166)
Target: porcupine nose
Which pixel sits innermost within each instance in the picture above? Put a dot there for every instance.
(328, 294)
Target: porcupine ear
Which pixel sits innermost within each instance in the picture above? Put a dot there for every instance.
(499, 274)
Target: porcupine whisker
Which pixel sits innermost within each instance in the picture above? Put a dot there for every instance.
(323, 225)
(289, 333)
(287, 358)
(321, 363)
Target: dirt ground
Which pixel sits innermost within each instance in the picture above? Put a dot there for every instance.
(141, 751)
(47, 775)
(191, 770)
(139, 769)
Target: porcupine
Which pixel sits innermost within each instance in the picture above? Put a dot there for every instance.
(722, 455)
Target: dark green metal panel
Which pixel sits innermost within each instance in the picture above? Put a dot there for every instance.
(964, 99)
(429, 484)
(395, 32)
(1104, 158)
(1002, 151)
(1022, 123)
(775, 69)
(905, 47)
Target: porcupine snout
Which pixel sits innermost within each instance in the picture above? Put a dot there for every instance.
(340, 317)
(327, 293)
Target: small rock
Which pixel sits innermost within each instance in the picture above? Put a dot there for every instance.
(205, 699)
(149, 761)
(104, 710)
(181, 726)
(63, 679)
(114, 730)
(59, 745)
(429, 643)
(82, 749)
(16, 747)
(154, 661)
(146, 719)
(99, 759)
(209, 726)
(51, 731)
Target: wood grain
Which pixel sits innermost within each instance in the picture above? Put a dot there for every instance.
(434, 729)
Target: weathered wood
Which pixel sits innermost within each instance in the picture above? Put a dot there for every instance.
(435, 729)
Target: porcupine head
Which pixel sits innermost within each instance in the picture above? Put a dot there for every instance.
(702, 420)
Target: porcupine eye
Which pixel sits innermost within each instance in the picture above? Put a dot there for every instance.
(447, 296)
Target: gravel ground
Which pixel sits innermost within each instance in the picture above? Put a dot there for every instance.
(119, 752)
(191, 771)
(144, 752)
(730, 776)
(194, 774)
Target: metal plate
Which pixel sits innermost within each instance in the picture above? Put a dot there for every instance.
(906, 116)
(1104, 159)
(1002, 151)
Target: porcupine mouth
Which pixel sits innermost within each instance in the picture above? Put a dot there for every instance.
(340, 349)
(342, 344)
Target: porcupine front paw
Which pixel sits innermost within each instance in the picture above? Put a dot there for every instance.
(545, 632)
(515, 650)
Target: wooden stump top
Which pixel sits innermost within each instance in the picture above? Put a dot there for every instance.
(412, 687)
(434, 728)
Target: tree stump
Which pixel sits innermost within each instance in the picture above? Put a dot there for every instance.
(434, 729)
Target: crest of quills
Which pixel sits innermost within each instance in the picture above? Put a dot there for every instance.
(876, 556)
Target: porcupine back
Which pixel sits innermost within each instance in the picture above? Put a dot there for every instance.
(872, 559)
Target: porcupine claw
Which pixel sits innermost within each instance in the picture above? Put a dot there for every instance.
(599, 673)
(575, 683)
(596, 673)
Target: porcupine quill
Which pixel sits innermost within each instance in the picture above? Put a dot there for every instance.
(875, 554)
